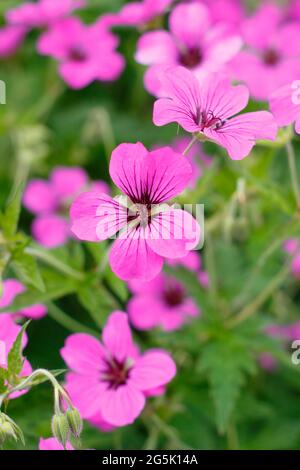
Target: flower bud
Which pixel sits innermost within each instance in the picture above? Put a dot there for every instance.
(60, 428)
(9, 429)
(74, 421)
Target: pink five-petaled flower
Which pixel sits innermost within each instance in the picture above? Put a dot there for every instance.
(8, 334)
(285, 104)
(12, 288)
(42, 13)
(206, 107)
(272, 54)
(111, 380)
(191, 42)
(164, 301)
(147, 229)
(52, 444)
(85, 53)
(50, 202)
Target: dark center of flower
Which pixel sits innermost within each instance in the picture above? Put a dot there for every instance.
(271, 57)
(208, 120)
(77, 54)
(116, 373)
(174, 295)
(191, 57)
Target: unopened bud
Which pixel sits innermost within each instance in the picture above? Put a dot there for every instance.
(74, 421)
(60, 428)
(9, 429)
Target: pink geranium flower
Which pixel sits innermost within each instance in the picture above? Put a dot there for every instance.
(148, 229)
(272, 56)
(110, 379)
(12, 288)
(191, 42)
(50, 202)
(285, 104)
(11, 37)
(207, 107)
(163, 302)
(138, 13)
(230, 12)
(8, 334)
(52, 444)
(85, 53)
(42, 13)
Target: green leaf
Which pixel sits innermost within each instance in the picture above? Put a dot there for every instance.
(3, 377)
(15, 357)
(226, 363)
(117, 285)
(27, 269)
(10, 218)
(94, 299)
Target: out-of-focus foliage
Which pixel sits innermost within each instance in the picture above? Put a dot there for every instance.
(221, 397)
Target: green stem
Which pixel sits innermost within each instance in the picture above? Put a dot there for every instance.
(252, 308)
(67, 322)
(293, 172)
(192, 142)
(54, 262)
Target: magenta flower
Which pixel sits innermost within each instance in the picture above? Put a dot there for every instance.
(85, 53)
(110, 379)
(50, 202)
(285, 104)
(164, 302)
(52, 444)
(294, 9)
(192, 42)
(11, 37)
(138, 13)
(207, 108)
(42, 13)
(12, 288)
(272, 55)
(148, 229)
(8, 334)
(198, 159)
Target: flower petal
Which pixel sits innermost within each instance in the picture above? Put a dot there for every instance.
(132, 258)
(239, 134)
(83, 353)
(153, 369)
(39, 197)
(68, 182)
(96, 216)
(50, 230)
(86, 393)
(156, 47)
(188, 22)
(117, 336)
(122, 406)
(172, 234)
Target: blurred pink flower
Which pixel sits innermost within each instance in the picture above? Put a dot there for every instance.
(192, 42)
(8, 334)
(111, 379)
(50, 202)
(42, 13)
(292, 248)
(137, 13)
(52, 444)
(85, 53)
(147, 229)
(294, 9)
(11, 37)
(207, 106)
(12, 288)
(285, 104)
(287, 333)
(196, 156)
(272, 55)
